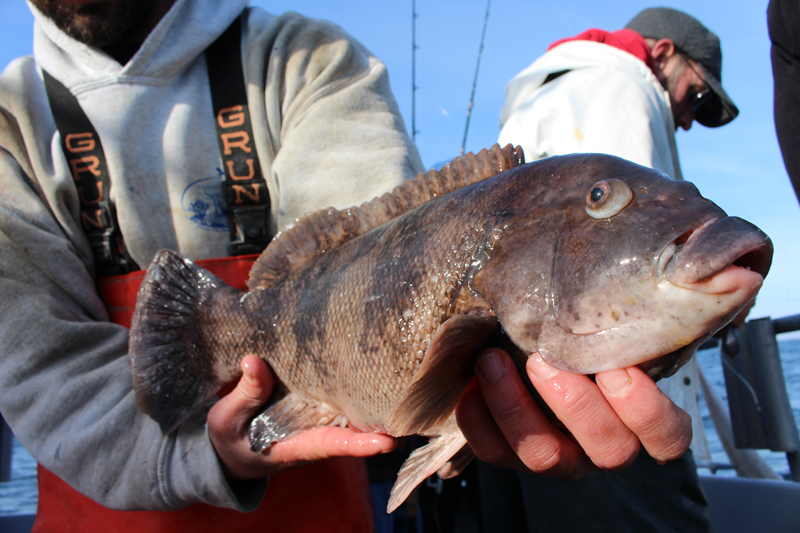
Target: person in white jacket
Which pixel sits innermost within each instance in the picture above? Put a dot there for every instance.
(327, 132)
(625, 93)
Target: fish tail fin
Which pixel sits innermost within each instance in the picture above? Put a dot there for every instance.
(173, 372)
(423, 462)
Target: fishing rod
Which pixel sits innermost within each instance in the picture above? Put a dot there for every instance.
(475, 80)
(413, 70)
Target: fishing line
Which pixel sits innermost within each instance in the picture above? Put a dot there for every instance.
(744, 382)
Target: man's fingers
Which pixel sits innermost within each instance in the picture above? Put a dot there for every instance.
(246, 399)
(327, 442)
(583, 409)
(541, 447)
(484, 436)
(664, 429)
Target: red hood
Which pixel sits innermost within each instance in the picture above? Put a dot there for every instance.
(627, 40)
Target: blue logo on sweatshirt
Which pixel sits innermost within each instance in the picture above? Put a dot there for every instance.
(202, 201)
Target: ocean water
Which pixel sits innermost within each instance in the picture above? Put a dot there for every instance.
(19, 496)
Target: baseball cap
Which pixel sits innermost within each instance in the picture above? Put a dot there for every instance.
(697, 42)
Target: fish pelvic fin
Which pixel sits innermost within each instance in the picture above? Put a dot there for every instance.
(289, 415)
(457, 463)
(423, 462)
(444, 375)
(318, 232)
(172, 373)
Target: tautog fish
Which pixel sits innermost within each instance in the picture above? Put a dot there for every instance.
(374, 315)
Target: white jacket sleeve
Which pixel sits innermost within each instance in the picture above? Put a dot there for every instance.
(330, 119)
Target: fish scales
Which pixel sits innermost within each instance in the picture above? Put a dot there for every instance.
(381, 330)
(373, 316)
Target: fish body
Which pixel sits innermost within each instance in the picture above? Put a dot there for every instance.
(374, 316)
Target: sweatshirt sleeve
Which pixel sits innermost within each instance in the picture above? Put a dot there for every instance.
(330, 119)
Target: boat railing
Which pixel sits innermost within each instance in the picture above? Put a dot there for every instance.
(760, 412)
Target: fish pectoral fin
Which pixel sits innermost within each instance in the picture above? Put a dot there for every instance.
(443, 376)
(423, 462)
(457, 463)
(288, 416)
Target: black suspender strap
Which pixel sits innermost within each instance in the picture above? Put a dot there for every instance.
(244, 189)
(87, 163)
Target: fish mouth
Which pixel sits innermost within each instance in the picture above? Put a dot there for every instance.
(716, 256)
(722, 256)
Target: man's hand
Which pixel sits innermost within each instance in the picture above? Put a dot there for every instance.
(605, 422)
(229, 423)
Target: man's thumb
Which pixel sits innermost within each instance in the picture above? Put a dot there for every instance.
(255, 387)
(248, 397)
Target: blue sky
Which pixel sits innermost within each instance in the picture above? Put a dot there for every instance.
(738, 166)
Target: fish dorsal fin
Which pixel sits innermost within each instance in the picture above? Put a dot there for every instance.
(320, 231)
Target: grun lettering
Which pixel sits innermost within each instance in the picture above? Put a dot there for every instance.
(229, 142)
(80, 142)
(230, 117)
(235, 177)
(243, 189)
(91, 219)
(97, 188)
(84, 164)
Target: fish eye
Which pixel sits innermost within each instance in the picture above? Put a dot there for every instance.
(606, 198)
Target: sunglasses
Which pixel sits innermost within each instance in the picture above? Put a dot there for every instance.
(703, 96)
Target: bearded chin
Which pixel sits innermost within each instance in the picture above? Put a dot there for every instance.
(671, 81)
(98, 23)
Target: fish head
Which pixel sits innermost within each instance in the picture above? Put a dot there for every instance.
(624, 266)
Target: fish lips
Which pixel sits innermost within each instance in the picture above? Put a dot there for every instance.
(717, 245)
(730, 246)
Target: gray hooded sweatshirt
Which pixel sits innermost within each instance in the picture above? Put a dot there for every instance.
(328, 133)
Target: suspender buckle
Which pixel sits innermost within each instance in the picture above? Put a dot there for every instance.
(251, 232)
(110, 258)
